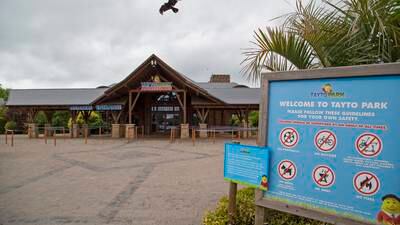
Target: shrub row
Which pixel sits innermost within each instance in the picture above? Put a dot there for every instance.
(246, 213)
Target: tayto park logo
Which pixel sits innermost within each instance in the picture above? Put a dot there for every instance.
(328, 92)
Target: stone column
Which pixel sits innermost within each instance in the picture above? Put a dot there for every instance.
(122, 130)
(203, 130)
(185, 130)
(75, 130)
(33, 130)
(129, 131)
(245, 133)
(115, 130)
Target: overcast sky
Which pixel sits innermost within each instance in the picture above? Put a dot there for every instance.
(87, 43)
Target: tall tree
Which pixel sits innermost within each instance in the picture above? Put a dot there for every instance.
(349, 32)
(3, 92)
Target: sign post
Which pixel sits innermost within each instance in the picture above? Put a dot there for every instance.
(333, 137)
(246, 165)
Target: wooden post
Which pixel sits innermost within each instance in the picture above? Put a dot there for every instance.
(170, 136)
(12, 138)
(193, 135)
(232, 203)
(130, 108)
(214, 136)
(55, 137)
(136, 132)
(86, 134)
(260, 211)
(29, 132)
(45, 135)
(184, 108)
(6, 137)
(63, 133)
(142, 131)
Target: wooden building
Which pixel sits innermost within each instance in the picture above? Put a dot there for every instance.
(154, 96)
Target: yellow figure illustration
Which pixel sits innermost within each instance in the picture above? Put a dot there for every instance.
(390, 210)
(264, 183)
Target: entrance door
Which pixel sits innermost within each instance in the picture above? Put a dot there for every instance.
(163, 121)
(165, 113)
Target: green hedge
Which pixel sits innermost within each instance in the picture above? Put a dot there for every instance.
(246, 212)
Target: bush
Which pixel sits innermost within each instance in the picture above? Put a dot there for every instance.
(60, 119)
(95, 120)
(40, 119)
(10, 125)
(253, 118)
(246, 213)
(245, 210)
(3, 120)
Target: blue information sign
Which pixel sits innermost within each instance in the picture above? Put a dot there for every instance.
(114, 107)
(247, 165)
(335, 146)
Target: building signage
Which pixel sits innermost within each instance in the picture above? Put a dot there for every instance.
(335, 146)
(81, 108)
(113, 107)
(156, 86)
(246, 165)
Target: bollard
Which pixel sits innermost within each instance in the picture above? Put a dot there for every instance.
(12, 138)
(45, 135)
(6, 137)
(193, 136)
(55, 138)
(63, 133)
(142, 131)
(213, 136)
(170, 136)
(86, 134)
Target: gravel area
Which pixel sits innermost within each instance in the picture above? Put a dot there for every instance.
(146, 182)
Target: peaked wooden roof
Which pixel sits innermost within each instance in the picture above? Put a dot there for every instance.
(138, 72)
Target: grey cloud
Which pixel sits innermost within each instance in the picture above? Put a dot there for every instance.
(82, 43)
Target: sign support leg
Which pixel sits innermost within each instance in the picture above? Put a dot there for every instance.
(232, 203)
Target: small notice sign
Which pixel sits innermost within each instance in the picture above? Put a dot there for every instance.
(246, 165)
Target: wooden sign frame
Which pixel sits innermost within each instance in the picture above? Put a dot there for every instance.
(326, 73)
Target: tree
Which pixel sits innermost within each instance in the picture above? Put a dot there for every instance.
(350, 32)
(60, 119)
(4, 92)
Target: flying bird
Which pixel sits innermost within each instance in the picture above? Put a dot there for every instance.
(169, 5)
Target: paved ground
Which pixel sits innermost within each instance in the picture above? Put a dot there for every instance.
(109, 181)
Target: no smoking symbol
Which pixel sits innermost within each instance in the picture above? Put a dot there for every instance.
(323, 176)
(369, 145)
(366, 183)
(289, 137)
(325, 140)
(287, 170)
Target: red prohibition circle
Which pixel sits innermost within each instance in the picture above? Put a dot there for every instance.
(359, 189)
(362, 146)
(291, 165)
(329, 170)
(282, 139)
(319, 143)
